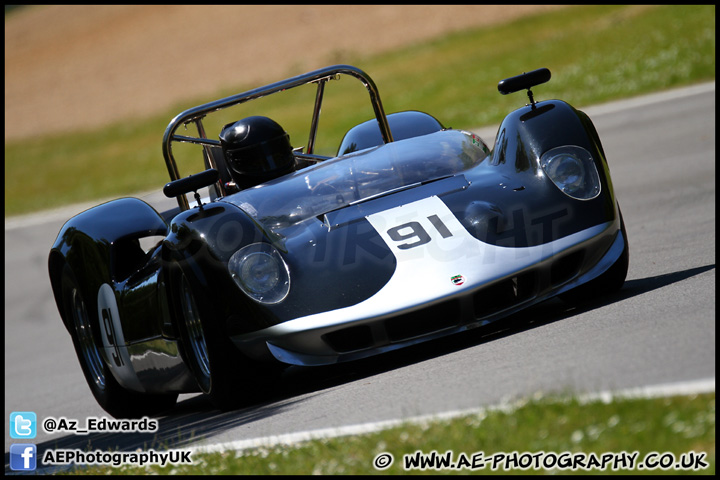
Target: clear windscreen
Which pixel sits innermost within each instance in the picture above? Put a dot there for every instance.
(359, 176)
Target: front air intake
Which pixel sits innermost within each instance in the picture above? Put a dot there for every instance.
(505, 294)
(431, 319)
(349, 339)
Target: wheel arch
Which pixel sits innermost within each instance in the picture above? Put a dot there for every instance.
(525, 134)
(99, 246)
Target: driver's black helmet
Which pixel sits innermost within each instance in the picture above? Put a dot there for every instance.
(256, 150)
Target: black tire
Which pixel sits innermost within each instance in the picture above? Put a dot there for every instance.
(84, 330)
(610, 281)
(229, 379)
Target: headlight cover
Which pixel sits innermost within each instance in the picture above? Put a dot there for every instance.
(573, 171)
(260, 272)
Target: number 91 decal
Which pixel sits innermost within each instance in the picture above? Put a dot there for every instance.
(414, 234)
(427, 222)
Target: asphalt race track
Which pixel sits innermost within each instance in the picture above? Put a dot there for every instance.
(660, 329)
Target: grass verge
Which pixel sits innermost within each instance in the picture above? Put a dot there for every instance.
(622, 436)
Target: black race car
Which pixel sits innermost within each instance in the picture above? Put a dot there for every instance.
(412, 231)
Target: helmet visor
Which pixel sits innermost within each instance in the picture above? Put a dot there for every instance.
(269, 157)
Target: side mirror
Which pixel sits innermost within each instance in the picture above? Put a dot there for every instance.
(193, 183)
(524, 81)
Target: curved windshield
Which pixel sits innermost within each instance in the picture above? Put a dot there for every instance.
(360, 176)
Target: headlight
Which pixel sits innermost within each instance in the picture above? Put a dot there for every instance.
(573, 171)
(260, 272)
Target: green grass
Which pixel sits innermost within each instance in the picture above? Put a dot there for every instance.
(596, 54)
(673, 426)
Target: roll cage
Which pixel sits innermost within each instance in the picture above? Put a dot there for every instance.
(320, 77)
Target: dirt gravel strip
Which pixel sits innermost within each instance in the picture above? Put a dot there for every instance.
(70, 67)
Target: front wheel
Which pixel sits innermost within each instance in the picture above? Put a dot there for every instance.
(113, 398)
(221, 371)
